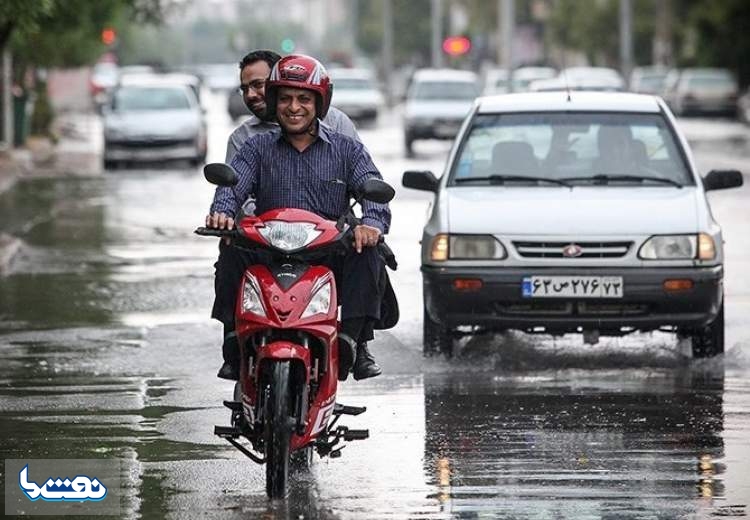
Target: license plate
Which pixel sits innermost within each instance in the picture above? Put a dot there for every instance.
(572, 287)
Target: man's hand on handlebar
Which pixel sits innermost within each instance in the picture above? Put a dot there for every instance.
(220, 221)
(365, 236)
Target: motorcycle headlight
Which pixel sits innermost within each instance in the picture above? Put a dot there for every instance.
(320, 303)
(251, 300)
(288, 236)
(669, 247)
(475, 247)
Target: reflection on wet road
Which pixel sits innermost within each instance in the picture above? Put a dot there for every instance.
(108, 352)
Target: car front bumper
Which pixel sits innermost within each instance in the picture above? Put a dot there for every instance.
(151, 151)
(645, 304)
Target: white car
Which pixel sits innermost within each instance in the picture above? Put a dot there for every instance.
(158, 119)
(436, 103)
(582, 78)
(572, 213)
(356, 93)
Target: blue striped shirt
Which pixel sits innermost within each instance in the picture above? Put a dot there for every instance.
(317, 179)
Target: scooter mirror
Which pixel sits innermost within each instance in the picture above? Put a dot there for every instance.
(220, 174)
(376, 190)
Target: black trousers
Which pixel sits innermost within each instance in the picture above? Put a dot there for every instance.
(360, 280)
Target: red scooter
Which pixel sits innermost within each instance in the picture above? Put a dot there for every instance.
(287, 328)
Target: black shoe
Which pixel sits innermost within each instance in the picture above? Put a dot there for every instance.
(364, 365)
(229, 371)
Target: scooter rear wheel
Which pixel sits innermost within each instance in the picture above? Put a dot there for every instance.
(278, 428)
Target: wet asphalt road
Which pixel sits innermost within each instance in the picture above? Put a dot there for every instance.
(107, 352)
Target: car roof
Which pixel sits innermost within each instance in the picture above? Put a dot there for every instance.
(174, 79)
(579, 101)
(350, 73)
(444, 75)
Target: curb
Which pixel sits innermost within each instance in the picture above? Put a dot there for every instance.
(9, 246)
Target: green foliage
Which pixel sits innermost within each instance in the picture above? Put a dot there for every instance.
(411, 35)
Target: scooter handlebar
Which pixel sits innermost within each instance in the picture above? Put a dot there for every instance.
(213, 232)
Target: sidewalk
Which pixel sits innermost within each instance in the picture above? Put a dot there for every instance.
(77, 153)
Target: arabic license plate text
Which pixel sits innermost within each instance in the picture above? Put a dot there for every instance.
(572, 287)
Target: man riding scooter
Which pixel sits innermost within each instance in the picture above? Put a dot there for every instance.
(306, 165)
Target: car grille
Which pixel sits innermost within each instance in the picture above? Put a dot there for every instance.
(153, 143)
(585, 249)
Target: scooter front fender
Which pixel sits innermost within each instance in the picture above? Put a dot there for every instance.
(282, 350)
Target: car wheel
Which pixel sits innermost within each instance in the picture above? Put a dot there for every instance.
(709, 341)
(408, 140)
(436, 338)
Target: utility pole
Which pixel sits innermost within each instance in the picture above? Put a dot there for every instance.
(7, 82)
(506, 12)
(437, 33)
(388, 50)
(626, 38)
(662, 46)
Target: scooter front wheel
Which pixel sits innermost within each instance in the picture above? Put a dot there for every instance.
(278, 428)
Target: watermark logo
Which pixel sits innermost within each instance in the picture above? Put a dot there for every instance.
(59, 487)
(79, 489)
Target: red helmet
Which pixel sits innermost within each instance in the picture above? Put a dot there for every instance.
(300, 71)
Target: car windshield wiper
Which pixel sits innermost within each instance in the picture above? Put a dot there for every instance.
(601, 178)
(501, 179)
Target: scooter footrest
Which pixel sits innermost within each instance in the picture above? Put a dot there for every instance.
(356, 435)
(235, 406)
(226, 431)
(342, 409)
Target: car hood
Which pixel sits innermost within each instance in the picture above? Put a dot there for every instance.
(577, 211)
(153, 123)
(437, 109)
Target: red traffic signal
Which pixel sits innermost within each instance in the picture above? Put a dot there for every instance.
(108, 36)
(456, 45)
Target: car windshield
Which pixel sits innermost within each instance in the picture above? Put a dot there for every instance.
(434, 90)
(710, 82)
(585, 148)
(353, 84)
(150, 98)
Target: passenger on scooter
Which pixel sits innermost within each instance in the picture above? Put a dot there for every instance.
(306, 165)
(255, 68)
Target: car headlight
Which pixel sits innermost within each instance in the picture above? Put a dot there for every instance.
(288, 236)
(251, 300)
(670, 247)
(320, 303)
(467, 247)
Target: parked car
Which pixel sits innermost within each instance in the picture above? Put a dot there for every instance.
(648, 80)
(156, 120)
(436, 103)
(743, 106)
(701, 91)
(143, 78)
(496, 81)
(562, 214)
(582, 78)
(523, 77)
(356, 93)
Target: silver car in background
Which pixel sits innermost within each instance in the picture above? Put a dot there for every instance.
(159, 119)
(701, 91)
(436, 103)
(356, 93)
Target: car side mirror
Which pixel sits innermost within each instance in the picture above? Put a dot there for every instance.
(722, 180)
(420, 180)
(220, 174)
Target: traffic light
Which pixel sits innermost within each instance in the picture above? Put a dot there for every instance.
(456, 45)
(287, 45)
(108, 36)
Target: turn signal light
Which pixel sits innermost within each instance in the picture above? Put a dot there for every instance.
(439, 252)
(467, 285)
(678, 285)
(706, 249)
